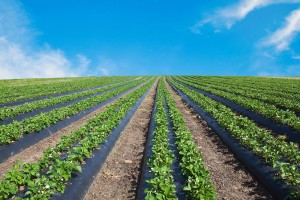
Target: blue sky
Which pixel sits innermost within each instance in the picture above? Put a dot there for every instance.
(54, 38)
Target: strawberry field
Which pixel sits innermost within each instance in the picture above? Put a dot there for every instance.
(172, 137)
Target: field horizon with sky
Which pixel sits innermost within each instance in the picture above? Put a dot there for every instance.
(144, 100)
(52, 38)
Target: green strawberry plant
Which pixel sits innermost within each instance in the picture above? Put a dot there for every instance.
(269, 111)
(8, 112)
(161, 185)
(275, 152)
(51, 173)
(29, 90)
(198, 185)
(12, 132)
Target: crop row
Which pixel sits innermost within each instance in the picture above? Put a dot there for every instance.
(198, 185)
(161, 185)
(251, 93)
(15, 93)
(12, 111)
(269, 81)
(275, 152)
(267, 110)
(197, 179)
(52, 171)
(252, 86)
(272, 84)
(14, 131)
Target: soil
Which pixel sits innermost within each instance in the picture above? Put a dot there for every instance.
(118, 178)
(230, 177)
(34, 152)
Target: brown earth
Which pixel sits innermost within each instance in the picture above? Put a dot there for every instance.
(34, 152)
(118, 178)
(229, 176)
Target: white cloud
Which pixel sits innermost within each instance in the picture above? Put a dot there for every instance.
(282, 37)
(277, 41)
(19, 57)
(228, 16)
(263, 64)
(15, 62)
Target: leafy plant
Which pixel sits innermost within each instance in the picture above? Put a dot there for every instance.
(53, 170)
(273, 150)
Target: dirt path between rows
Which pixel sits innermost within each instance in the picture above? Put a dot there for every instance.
(232, 180)
(118, 178)
(34, 152)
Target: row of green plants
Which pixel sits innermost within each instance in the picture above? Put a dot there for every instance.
(161, 181)
(279, 154)
(252, 86)
(198, 185)
(281, 85)
(267, 110)
(14, 131)
(12, 111)
(291, 150)
(51, 173)
(238, 89)
(13, 93)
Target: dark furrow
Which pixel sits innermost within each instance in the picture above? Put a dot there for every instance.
(276, 128)
(179, 179)
(264, 174)
(27, 140)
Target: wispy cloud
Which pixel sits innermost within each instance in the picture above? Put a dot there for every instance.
(283, 36)
(16, 62)
(21, 57)
(228, 16)
(264, 64)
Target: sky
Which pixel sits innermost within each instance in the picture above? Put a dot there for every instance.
(54, 38)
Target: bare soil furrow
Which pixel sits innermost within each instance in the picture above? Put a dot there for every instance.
(118, 178)
(229, 176)
(34, 152)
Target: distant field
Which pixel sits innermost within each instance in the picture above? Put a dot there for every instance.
(150, 137)
(292, 77)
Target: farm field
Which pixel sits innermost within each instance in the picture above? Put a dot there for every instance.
(150, 137)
